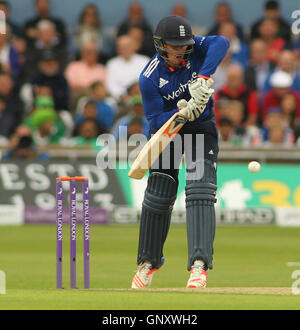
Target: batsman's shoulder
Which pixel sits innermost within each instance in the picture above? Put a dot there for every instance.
(151, 67)
(199, 40)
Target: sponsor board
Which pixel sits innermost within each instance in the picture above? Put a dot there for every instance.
(31, 188)
(288, 216)
(11, 215)
(27, 193)
(256, 216)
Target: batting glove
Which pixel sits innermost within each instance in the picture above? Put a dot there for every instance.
(200, 90)
(190, 109)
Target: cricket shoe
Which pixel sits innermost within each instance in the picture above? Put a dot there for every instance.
(198, 276)
(144, 275)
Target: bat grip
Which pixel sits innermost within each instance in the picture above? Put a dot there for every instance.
(210, 82)
(184, 112)
(181, 104)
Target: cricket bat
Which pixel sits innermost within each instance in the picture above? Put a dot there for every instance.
(158, 142)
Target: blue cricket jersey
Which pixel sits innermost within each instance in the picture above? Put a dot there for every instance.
(162, 87)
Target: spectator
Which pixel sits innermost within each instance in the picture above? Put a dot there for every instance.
(291, 118)
(235, 89)
(123, 107)
(280, 86)
(272, 11)
(221, 108)
(223, 15)
(247, 136)
(90, 110)
(277, 137)
(231, 126)
(286, 62)
(137, 34)
(45, 124)
(21, 130)
(42, 91)
(81, 74)
(258, 67)
(8, 119)
(226, 130)
(46, 39)
(9, 56)
(15, 30)
(238, 49)
(136, 112)
(12, 108)
(22, 146)
(229, 135)
(105, 103)
(49, 75)
(132, 90)
(220, 75)
(235, 114)
(44, 100)
(274, 131)
(99, 96)
(89, 27)
(297, 137)
(135, 17)
(135, 126)
(125, 68)
(296, 51)
(87, 133)
(179, 9)
(43, 13)
(268, 33)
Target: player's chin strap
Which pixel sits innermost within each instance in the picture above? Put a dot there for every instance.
(182, 64)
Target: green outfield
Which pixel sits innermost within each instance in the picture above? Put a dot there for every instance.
(253, 270)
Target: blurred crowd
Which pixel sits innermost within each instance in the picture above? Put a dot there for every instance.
(65, 87)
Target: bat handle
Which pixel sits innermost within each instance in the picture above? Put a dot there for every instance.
(181, 104)
(210, 82)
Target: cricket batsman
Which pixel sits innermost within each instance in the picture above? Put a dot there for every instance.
(179, 71)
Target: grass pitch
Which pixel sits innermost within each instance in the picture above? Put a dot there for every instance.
(251, 270)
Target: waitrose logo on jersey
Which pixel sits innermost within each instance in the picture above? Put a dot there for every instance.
(182, 88)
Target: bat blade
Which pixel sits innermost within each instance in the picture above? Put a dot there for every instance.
(155, 146)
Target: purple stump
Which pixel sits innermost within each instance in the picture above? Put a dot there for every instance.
(59, 233)
(73, 234)
(86, 234)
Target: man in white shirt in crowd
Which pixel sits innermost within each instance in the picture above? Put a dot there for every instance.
(125, 68)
